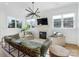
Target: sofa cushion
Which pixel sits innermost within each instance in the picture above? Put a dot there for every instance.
(16, 36)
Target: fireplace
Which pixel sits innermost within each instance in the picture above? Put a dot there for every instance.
(42, 35)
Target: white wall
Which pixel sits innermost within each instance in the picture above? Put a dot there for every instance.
(70, 34)
(2, 22)
(78, 26)
(4, 30)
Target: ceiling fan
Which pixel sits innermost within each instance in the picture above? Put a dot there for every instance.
(32, 13)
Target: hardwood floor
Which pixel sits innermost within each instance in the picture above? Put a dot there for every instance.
(4, 53)
(74, 49)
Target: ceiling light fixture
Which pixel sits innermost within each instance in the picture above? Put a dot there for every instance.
(32, 13)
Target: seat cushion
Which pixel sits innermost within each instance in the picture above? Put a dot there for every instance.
(59, 51)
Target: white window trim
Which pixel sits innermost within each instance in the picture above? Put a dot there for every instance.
(62, 19)
(59, 16)
(73, 22)
(10, 18)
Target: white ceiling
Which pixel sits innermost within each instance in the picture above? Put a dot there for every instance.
(41, 5)
(18, 8)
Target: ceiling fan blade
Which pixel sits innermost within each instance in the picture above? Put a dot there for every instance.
(31, 9)
(37, 15)
(36, 10)
(28, 15)
(32, 16)
(27, 10)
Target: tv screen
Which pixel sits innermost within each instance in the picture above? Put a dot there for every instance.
(42, 21)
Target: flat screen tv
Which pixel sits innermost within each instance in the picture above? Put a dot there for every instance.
(42, 21)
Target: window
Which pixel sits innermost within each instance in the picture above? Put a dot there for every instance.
(68, 20)
(64, 21)
(57, 21)
(18, 24)
(14, 23)
(11, 24)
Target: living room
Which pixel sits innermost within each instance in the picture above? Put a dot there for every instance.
(56, 18)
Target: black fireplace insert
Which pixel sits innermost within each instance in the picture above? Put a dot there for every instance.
(42, 35)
